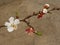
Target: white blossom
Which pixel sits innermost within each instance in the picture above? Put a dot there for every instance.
(45, 11)
(12, 24)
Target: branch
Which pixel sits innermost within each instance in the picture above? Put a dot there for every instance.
(28, 24)
(53, 9)
(34, 14)
(2, 26)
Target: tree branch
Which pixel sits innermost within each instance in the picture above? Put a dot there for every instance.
(2, 26)
(34, 14)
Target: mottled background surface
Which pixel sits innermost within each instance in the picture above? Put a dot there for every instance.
(49, 25)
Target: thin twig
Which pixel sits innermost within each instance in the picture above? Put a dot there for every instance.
(35, 14)
(28, 24)
(2, 26)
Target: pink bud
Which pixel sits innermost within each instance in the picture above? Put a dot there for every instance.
(29, 30)
(46, 6)
(40, 15)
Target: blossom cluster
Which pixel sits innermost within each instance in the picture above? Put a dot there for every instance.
(12, 23)
(44, 11)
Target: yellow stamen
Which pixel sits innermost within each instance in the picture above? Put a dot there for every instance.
(14, 26)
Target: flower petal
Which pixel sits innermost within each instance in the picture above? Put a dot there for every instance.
(10, 29)
(7, 24)
(17, 21)
(11, 20)
(45, 11)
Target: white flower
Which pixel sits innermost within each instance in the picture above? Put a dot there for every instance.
(12, 24)
(45, 11)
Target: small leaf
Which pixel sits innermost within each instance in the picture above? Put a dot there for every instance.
(16, 13)
(38, 33)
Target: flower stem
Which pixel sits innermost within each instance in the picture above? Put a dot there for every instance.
(2, 26)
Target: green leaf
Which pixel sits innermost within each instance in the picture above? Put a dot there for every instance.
(16, 13)
(38, 33)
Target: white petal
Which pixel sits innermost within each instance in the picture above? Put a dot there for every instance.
(10, 29)
(11, 20)
(45, 11)
(7, 24)
(17, 21)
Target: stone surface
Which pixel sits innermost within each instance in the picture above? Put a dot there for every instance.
(49, 25)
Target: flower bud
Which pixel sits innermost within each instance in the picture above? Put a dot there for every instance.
(45, 11)
(46, 6)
